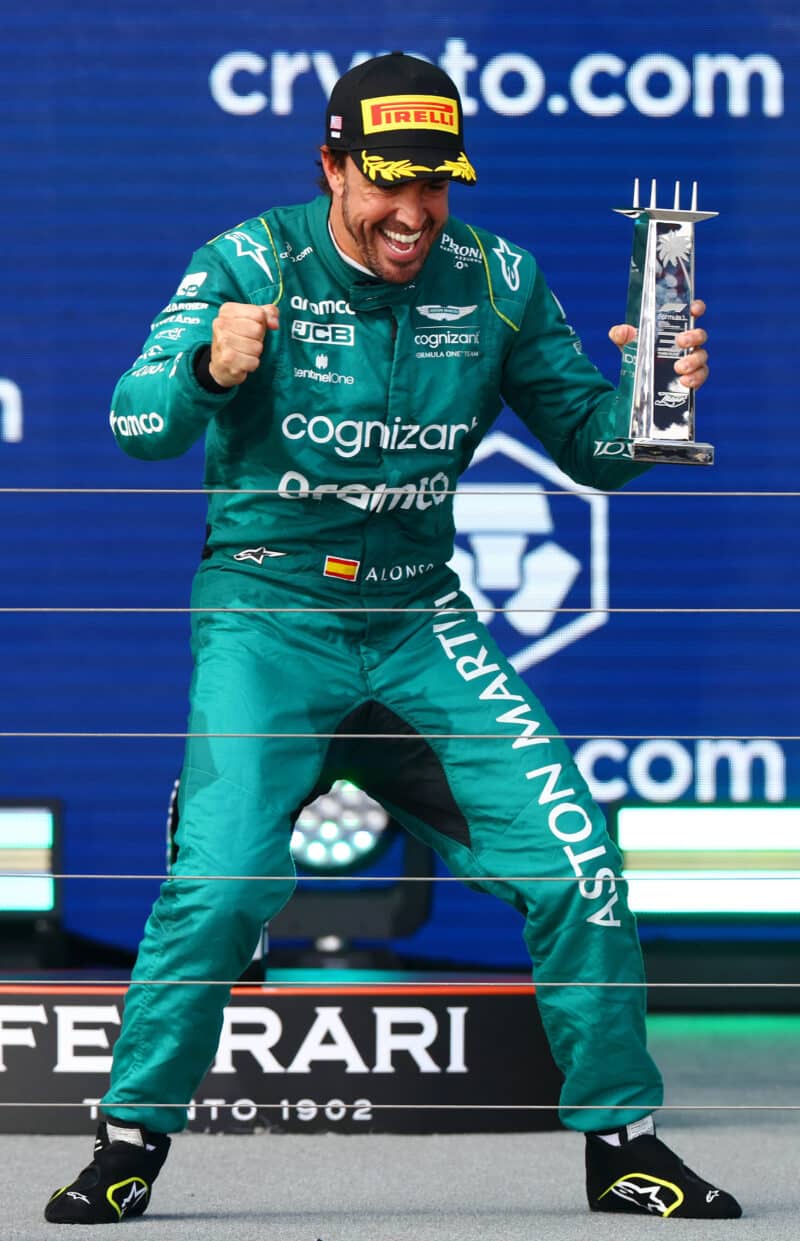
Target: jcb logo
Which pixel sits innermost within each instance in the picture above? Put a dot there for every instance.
(324, 333)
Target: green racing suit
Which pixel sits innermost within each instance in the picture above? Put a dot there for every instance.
(330, 474)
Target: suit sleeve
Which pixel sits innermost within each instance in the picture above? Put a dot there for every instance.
(159, 407)
(561, 396)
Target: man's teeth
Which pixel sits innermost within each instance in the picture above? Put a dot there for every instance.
(403, 239)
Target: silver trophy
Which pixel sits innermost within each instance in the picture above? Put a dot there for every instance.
(655, 412)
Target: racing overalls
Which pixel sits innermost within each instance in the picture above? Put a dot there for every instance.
(330, 473)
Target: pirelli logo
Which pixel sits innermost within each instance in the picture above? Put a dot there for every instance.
(335, 566)
(391, 112)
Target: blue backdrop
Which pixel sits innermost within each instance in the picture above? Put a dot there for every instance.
(133, 132)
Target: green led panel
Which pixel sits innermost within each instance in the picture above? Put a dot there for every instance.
(706, 860)
(27, 837)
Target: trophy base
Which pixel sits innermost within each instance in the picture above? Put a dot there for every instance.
(675, 452)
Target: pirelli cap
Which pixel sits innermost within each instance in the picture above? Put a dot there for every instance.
(400, 119)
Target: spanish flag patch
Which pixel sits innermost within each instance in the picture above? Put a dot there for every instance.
(335, 566)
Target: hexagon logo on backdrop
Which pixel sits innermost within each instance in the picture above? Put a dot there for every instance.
(530, 552)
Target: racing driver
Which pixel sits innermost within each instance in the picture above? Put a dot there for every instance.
(343, 358)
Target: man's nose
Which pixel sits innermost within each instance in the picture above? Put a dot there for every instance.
(409, 207)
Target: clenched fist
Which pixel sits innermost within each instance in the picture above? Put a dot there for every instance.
(238, 341)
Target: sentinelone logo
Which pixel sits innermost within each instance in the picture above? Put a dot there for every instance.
(513, 83)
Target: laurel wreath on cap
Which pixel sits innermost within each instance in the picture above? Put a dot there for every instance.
(390, 169)
(460, 167)
(374, 166)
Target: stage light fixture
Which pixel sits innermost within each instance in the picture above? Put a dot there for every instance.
(341, 831)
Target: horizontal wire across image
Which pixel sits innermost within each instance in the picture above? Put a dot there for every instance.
(171, 736)
(477, 490)
(703, 878)
(445, 1107)
(8, 987)
(472, 611)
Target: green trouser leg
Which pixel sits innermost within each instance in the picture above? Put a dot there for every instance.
(537, 840)
(237, 799)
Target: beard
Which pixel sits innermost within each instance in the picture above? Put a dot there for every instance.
(370, 251)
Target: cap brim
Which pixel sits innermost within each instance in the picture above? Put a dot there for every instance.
(398, 165)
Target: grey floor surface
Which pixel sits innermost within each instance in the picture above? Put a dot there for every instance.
(464, 1187)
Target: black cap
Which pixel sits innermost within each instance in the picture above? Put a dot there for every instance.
(400, 119)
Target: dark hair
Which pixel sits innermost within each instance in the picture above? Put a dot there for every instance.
(338, 158)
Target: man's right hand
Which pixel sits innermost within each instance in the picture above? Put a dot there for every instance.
(238, 341)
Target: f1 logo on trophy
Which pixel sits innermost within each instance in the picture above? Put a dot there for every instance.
(654, 413)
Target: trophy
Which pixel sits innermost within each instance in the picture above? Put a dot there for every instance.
(654, 412)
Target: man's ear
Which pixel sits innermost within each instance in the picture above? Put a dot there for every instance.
(334, 171)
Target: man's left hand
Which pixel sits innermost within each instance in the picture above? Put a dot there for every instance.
(692, 368)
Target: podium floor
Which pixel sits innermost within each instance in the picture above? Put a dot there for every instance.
(468, 1187)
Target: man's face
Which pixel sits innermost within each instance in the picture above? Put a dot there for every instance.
(390, 231)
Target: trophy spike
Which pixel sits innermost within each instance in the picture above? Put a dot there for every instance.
(694, 196)
(635, 192)
(676, 206)
(653, 194)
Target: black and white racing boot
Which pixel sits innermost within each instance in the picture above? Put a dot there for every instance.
(117, 1183)
(636, 1173)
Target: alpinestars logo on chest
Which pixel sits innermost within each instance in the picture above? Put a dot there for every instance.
(247, 248)
(257, 554)
(510, 261)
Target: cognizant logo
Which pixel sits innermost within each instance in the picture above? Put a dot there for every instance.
(599, 84)
(350, 436)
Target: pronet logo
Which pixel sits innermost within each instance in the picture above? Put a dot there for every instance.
(10, 412)
(516, 549)
(599, 84)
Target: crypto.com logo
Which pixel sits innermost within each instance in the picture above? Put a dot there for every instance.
(520, 549)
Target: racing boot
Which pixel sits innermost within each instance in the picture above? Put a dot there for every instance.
(637, 1174)
(117, 1183)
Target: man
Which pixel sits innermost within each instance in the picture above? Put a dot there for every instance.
(343, 359)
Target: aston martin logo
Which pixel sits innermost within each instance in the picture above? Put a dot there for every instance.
(445, 313)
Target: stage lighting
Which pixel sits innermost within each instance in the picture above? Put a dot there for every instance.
(341, 831)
